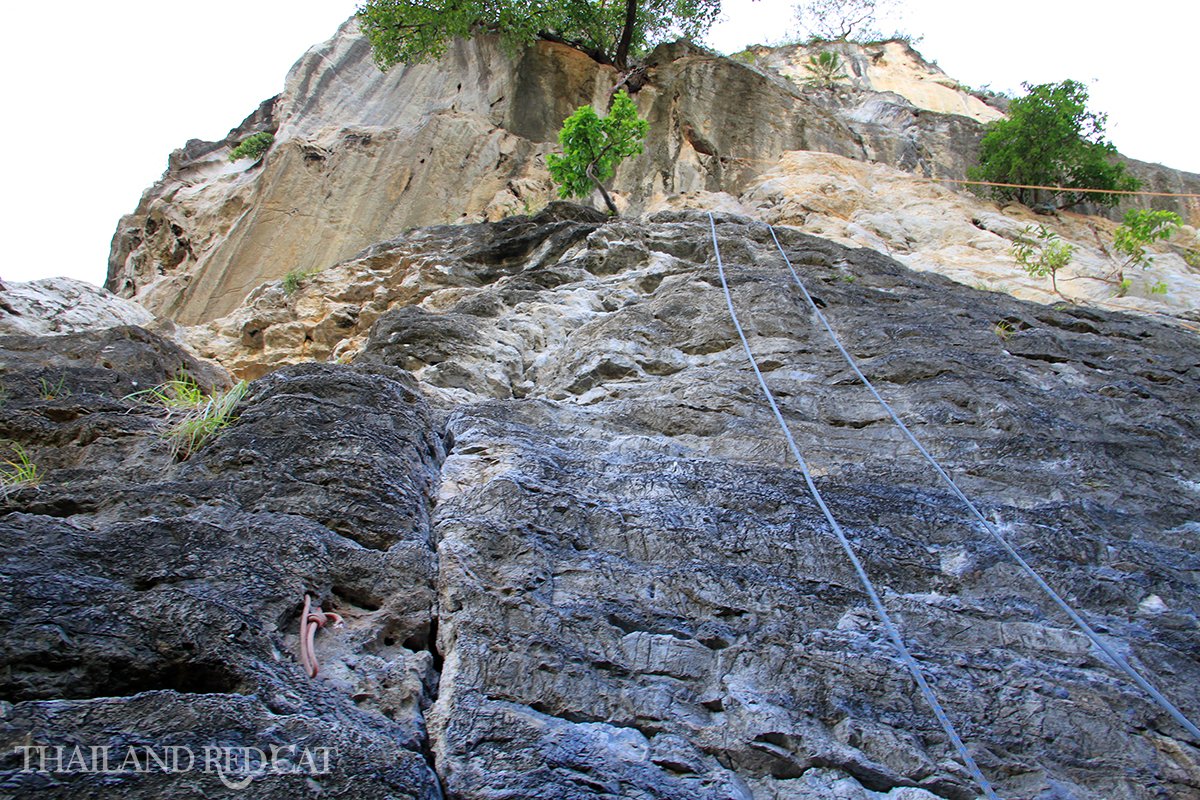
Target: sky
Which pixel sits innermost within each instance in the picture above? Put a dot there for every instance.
(101, 94)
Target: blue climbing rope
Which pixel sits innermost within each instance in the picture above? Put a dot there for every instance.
(892, 632)
(1113, 656)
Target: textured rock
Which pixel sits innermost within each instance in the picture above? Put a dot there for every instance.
(154, 604)
(633, 594)
(883, 67)
(920, 223)
(607, 609)
(361, 156)
(926, 226)
(64, 305)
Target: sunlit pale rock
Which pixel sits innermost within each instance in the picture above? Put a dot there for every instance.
(64, 305)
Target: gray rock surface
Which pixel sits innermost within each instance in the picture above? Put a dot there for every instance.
(153, 604)
(575, 561)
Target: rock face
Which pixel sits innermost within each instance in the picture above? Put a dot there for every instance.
(360, 156)
(152, 604)
(883, 67)
(926, 226)
(64, 305)
(920, 223)
(573, 558)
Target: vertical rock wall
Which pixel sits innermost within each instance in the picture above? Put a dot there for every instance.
(361, 155)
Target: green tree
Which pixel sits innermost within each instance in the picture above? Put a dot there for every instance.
(414, 31)
(1040, 252)
(593, 146)
(1137, 231)
(1050, 138)
(253, 146)
(824, 69)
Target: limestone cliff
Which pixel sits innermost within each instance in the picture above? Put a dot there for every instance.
(919, 223)
(64, 305)
(524, 459)
(361, 156)
(572, 556)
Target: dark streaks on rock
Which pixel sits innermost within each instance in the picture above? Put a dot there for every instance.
(576, 562)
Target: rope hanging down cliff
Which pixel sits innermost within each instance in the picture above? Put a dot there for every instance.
(892, 632)
(1113, 656)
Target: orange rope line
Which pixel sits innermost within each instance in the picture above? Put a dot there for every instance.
(778, 161)
(1058, 188)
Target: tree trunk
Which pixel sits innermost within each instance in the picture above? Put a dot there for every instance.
(612, 208)
(621, 59)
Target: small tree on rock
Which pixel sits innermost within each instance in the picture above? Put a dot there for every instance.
(1140, 229)
(1041, 253)
(593, 146)
(824, 69)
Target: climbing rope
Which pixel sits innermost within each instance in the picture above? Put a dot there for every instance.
(892, 632)
(1114, 656)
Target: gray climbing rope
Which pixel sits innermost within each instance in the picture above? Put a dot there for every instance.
(892, 632)
(1114, 656)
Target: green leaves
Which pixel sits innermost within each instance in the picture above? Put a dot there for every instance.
(1040, 252)
(593, 147)
(253, 146)
(824, 69)
(1051, 139)
(1140, 229)
(415, 31)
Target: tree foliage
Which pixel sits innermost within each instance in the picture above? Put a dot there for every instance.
(593, 146)
(824, 69)
(1050, 138)
(253, 146)
(1139, 230)
(1040, 252)
(414, 31)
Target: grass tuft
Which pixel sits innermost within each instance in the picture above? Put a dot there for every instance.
(19, 471)
(295, 279)
(195, 418)
(54, 391)
(200, 425)
(181, 392)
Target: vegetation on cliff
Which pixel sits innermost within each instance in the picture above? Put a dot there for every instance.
(594, 146)
(408, 31)
(1050, 138)
(1140, 229)
(253, 146)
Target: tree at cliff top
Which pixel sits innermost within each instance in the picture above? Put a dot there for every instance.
(413, 31)
(833, 20)
(1050, 138)
(594, 146)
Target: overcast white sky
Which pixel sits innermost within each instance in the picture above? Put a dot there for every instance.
(99, 94)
